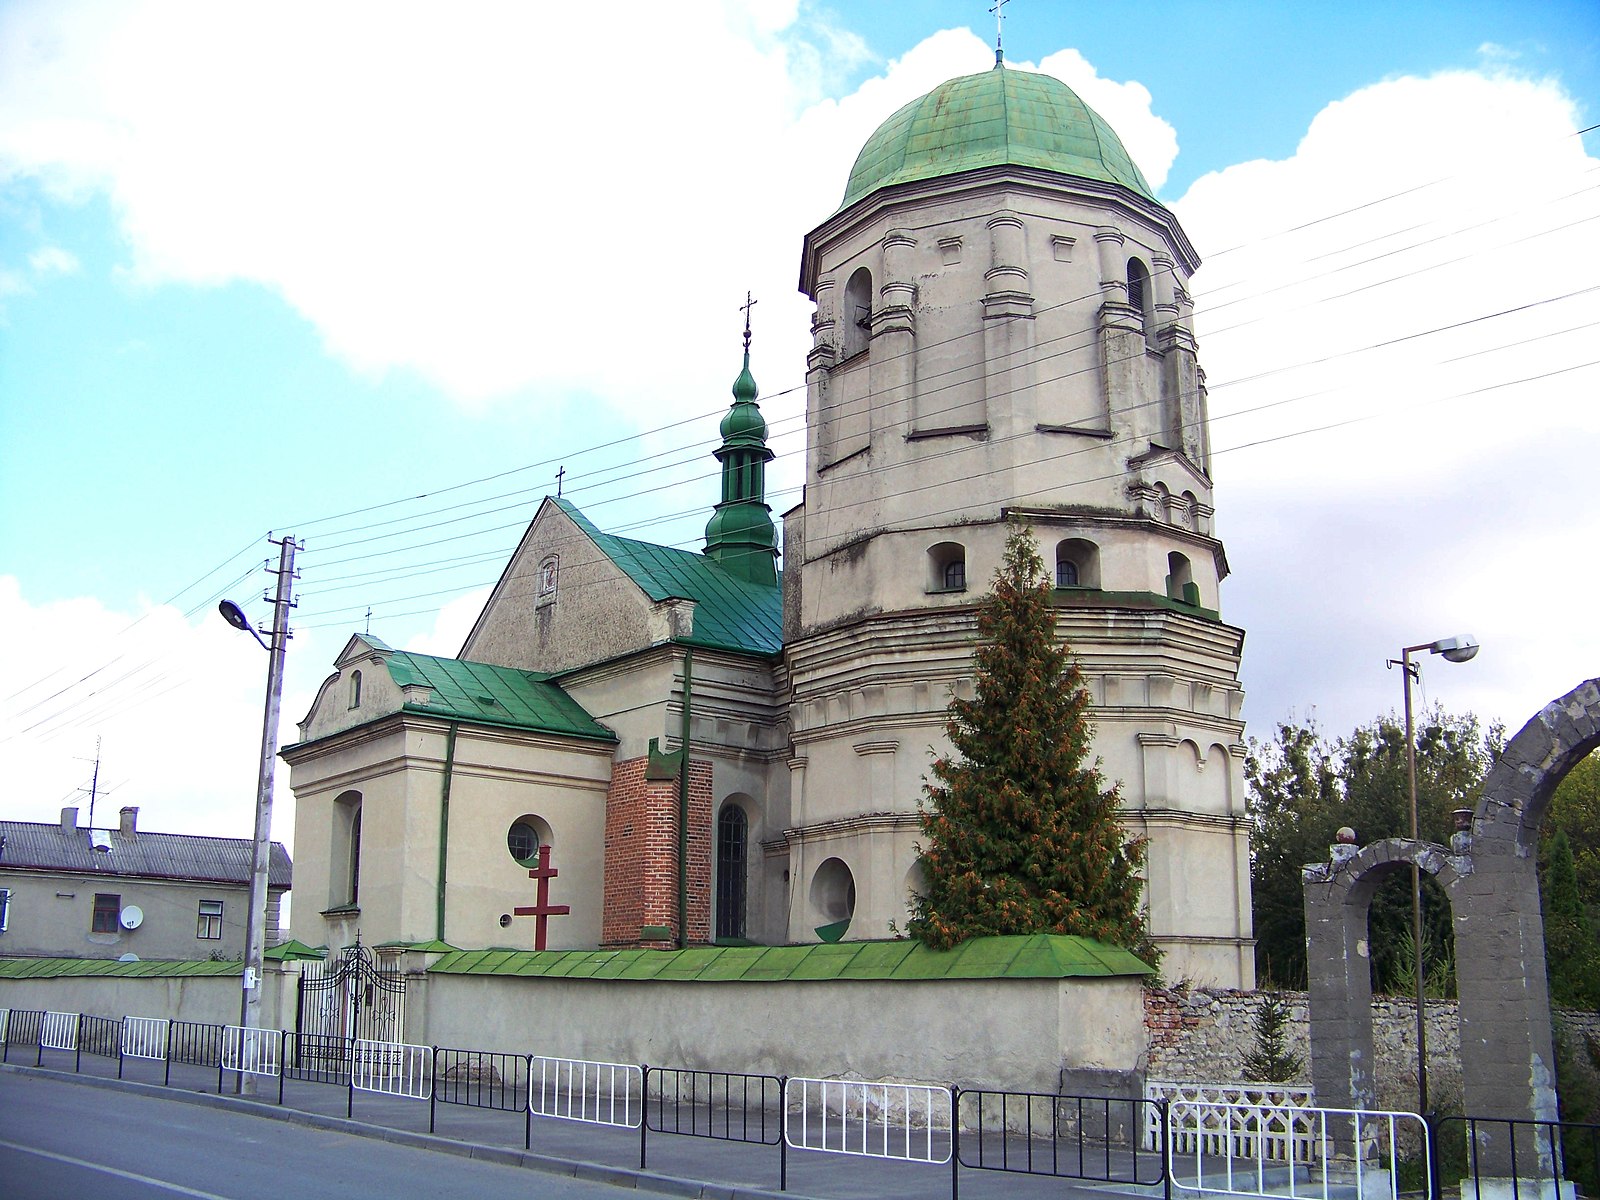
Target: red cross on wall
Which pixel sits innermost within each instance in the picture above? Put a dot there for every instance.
(542, 910)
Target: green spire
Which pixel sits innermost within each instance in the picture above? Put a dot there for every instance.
(740, 535)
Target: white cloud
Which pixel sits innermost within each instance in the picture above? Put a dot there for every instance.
(1459, 498)
(53, 260)
(473, 197)
(175, 705)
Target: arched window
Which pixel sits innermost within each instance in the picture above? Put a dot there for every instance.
(1139, 289)
(355, 857)
(732, 843)
(1077, 564)
(1180, 579)
(947, 567)
(855, 322)
(355, 689)
(344, 863)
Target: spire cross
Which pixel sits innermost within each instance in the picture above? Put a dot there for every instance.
(560, 475)
(999, 11)
(749, 303)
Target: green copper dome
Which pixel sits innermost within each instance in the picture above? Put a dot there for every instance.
(999, 118)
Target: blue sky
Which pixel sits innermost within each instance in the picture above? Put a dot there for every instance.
(282, 268)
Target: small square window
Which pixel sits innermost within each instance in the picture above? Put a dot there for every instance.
(210, 921)
(107, 909)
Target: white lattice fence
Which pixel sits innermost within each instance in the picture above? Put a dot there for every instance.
(1231, 1118)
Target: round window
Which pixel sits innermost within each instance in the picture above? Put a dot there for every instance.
(522, 839)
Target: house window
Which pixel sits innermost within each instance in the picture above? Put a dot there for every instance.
(947, 567)
(522, 839)
(857, 315)
(5, 908)
(355, 689)
(210, 921)
(106, 910)
(1077, 564)
(1139, 289)
(733, 829)
(344, 875)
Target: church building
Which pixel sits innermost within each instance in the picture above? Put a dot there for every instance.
(691, 747)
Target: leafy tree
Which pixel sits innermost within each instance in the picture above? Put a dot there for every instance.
(1020, 832)
(1271, 1061)
(1571, 957)
(1301, 788)
(1575, 808)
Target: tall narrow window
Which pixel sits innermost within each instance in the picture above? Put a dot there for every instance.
(106, 910)
(209, 924)
(1139, 289)
(732, 835)
(856, 319)
(355, 689)
(5, 908)
(344, 857)
(355, 856)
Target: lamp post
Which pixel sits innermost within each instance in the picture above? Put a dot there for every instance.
(261, 855)
(1454, 649)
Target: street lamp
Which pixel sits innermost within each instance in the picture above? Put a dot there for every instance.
(1457, 650)
(261, 855)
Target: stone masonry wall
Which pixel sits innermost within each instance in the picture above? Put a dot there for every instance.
(641, 851)
(1204, 1035)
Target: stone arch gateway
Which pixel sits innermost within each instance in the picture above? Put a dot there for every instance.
(1490, 875)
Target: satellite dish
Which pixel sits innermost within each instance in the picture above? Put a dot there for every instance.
(132, 917)
(128, 958)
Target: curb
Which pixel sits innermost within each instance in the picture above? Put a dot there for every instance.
(622, 1177)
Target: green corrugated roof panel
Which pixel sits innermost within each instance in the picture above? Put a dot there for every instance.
(995, 118)
(471, 691)
(732, 962)
(1034, 956)
(827, 961)
(876, 960)
(730, 613)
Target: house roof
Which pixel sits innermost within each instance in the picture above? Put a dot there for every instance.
(1032, 956)
(472, 691)
(34, 846)
(730, 613)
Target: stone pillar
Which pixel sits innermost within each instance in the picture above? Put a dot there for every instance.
(1007, 329)
(894, 336)
(824, 353)
(1339, 971)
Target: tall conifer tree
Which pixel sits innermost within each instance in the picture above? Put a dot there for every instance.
(1020, 833)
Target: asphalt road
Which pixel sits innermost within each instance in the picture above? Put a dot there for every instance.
(63, 1141)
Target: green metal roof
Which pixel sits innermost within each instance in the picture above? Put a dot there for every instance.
(1002, 117)
(59, 968)
(1034, 956)
(730, 613)
(470, 691)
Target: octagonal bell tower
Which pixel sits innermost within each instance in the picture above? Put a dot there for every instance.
(1003, 326)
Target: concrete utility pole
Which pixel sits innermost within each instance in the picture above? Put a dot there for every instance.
(261, 854)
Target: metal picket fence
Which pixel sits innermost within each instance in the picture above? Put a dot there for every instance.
(1188, 1138)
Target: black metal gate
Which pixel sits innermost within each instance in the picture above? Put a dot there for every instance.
(351, 997)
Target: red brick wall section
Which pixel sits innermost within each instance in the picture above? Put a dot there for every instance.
(641, 853)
